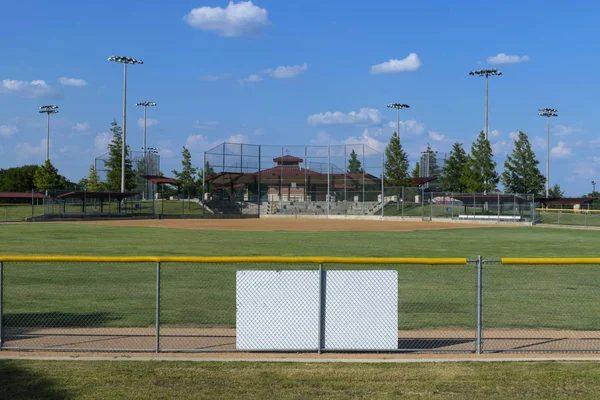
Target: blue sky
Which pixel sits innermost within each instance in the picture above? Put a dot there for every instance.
(300, 73)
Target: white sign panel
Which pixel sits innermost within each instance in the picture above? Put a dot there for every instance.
(277, 310)
(361, 310)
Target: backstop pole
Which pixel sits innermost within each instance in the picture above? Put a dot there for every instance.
(328, 178)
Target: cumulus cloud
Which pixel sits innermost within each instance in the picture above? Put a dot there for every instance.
(436, 136)
(411, 63)
(237, 19)
(563, 130)
(503, 58)
(101, 141)
(72, 82)
(561, 151)
(30, 89)
(538, 143)
(251, 79)
(215, 77)
(363, 116)
(513, 135)
(149, 122)
(495, 133)
(81, 126)
(26, 151)
(197, 142)
(8, 130)
(284, 72)
(408, 127)
(501, 147)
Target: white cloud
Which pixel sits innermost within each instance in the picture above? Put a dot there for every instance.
(237, 19)
(149, 122)
(8, 130)
(25, 151)
(501, 147)
(81, 126)
(538, 142)
(513, 135)
(408, 127)
(33, 89)
(251, 79)
(561, 151)
(503, 58)
(495, 133)
(436, 136)
(239, 138)
(197, 142)
(101, 141)
(410, 63)
(563, 130)
(363, 116)
(368, 139)
(215, 77)
(287, 72)
(595, 142)
(259, 132)
(585, 169)
(72, 82)
(66, 149)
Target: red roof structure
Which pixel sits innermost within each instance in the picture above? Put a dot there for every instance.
(568, 201)
(21, 195)
(287, 159)
(161, 179)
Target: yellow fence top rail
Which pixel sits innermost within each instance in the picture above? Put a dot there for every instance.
(546, 261)
(235, 259)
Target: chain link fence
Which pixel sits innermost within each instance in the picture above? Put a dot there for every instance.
(224, 304)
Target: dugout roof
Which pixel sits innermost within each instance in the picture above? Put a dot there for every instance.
(80, 194)
(567, 201)
(21, 195)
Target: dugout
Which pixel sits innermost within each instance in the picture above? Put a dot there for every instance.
(81, 203)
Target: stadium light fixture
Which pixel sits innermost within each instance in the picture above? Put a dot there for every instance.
(593, 187)
(49, 109)
(398, 106)
(548, 113)
(124, 61)
(145, 104)
(487, 73)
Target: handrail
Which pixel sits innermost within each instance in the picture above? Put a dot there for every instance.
(236, 259)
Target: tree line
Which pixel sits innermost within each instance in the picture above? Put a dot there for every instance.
(473, 172)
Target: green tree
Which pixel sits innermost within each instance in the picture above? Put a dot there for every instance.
(416, 172)
(186, 178)
(396, 164)
(451, 174)
(354, 164)
(92, 182)
(434, 168)
(113, 164)
(46, 177)
(555, 192)
(479, 174)
(521, 173)
(18, 179)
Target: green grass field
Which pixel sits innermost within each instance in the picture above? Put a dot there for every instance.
(122, 295)
(230, 380)
(204, 295)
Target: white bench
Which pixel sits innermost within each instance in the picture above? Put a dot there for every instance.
(491, 217)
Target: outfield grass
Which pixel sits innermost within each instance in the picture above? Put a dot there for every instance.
(569, 218)
(231, 380)
(429, 296)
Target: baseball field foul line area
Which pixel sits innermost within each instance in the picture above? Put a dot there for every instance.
(299, 304)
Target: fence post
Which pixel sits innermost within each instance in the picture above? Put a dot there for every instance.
(402, 202)
(157, 344)
(321, 307)
(478, 345)
(1, 304)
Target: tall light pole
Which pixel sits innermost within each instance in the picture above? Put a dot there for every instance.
(145, 104)
(398, 107)
(124, 61)
(50, 109)
(548, 113)
(487, 73)
(593, 187)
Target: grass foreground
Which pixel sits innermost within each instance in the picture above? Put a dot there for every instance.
(248, 380)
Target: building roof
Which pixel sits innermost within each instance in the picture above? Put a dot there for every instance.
(161, 179)
(21, 195)
(288, 158)
(423, 180)
(80, 194)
